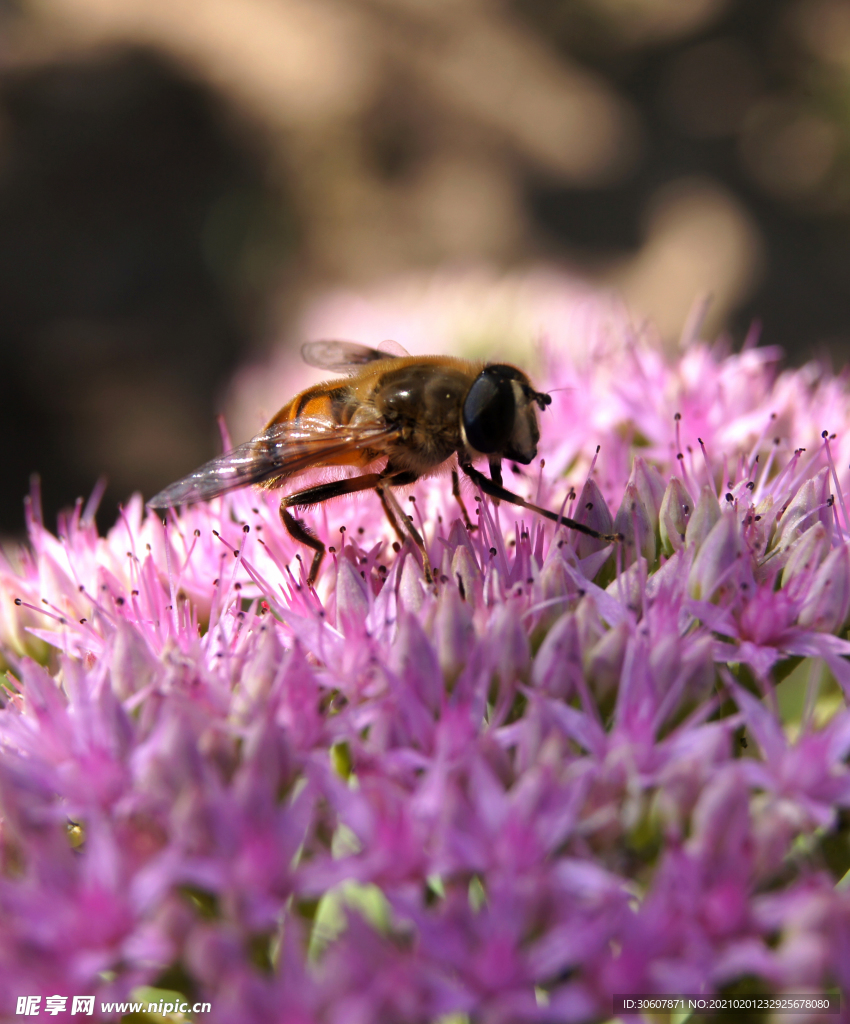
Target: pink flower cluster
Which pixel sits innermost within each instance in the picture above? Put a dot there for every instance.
(570, 770)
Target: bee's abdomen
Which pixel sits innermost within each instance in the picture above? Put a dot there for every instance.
(335, 405)
(321, 408)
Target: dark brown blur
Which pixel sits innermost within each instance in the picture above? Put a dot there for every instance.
(178, 177)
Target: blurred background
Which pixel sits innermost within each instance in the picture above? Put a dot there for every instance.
(179, 181)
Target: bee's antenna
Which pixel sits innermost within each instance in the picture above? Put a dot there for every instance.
(544, 399)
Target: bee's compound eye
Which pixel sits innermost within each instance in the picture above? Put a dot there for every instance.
(489, 411)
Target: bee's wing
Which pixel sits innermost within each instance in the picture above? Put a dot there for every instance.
(281, 449)
(390, 349)
(347, 356)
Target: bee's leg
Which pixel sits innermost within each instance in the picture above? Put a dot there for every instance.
(299, 532)
(314, 496)
(497, 491)
(391, 516)
(467, 522)
(395, 478)
(395, 514)
(394, 523)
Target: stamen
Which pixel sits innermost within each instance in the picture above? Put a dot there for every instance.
(826, 438)
(540, 481)
(753, 457)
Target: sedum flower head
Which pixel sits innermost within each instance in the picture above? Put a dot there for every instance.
(571, 769)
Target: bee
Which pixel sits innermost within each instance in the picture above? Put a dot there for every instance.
(401, 417)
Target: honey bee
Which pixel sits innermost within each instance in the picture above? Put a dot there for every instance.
(412, 414)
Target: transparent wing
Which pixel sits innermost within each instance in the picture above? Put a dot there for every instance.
(390, 349)
(347, 356)
(282, 449)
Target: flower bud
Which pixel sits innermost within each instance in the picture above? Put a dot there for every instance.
(414, 660)
(603, 663)
(650, 487)
(633, 522)
(674, 516)
(411, 588)
(720, 824)
(446, 563)
(713, 563)
(458, 534)
(806, 553)
(465, 571)
(352, 604)
(761, 529)
(827, 603)
(509, 647)
(800, 515)
(704, 518)
(630, 587)
(775, 824)
(591, 510)
(454, 632)
(260, 670)
(555, 587)
(558, 661)
(589, 622)
(554, 580)
(133, 665)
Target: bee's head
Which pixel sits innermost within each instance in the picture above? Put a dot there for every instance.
(499, 417)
